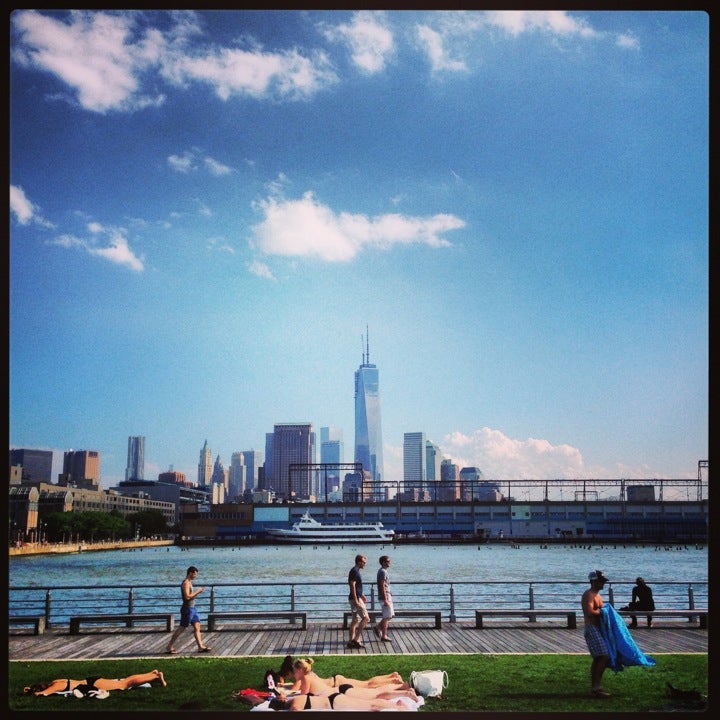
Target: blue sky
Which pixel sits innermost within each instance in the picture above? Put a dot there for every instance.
(207, 209)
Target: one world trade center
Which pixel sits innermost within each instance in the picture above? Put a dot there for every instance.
(368, 428)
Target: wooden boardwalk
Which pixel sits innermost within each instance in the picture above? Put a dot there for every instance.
(521, 637)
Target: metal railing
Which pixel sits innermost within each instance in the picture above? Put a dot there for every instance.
(326, 602)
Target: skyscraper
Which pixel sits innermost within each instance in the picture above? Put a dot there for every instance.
(368, 430)
(36, 464)
(292, 443)
(135, 469)
(81, 468)
(205, 467)
(252, 459)
(331, 452)
(414, 461)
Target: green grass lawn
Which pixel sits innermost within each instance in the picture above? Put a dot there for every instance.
(477, 683)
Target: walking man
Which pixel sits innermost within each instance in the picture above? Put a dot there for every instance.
(188, 613)
(388, 610)
(592, 604)
(360, 615)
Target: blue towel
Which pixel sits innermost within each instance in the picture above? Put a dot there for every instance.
(622, 648)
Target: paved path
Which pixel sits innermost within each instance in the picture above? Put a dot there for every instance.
(519, 637)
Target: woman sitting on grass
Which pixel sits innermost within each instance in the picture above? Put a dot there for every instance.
(96, 683)
(308, 681)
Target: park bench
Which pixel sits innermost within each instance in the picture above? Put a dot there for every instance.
(375, 615)
(571, 615)
(701, 614)
(290, 615)
(37, 622)
(126, 619)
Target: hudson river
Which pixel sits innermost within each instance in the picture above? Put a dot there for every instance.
(409, 563)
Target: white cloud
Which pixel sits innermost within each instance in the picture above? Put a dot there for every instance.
(216, 168)
(232, 71)
(192, 160)
(555, 22)
(115, 249)
(306, 228)
(182, 163)
(627, 40)
(369, 39)
(260, 269)
(94, 53)
(24, 211)
(502, 457)
(433, 43)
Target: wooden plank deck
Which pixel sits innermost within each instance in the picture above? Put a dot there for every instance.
(330, 639)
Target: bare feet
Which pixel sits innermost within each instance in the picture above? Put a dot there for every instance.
(160, 677)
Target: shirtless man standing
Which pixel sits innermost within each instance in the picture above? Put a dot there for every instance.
(592, 603)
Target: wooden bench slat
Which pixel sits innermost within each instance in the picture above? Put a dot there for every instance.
(700, 613)
(37, 621)
(291, 615)
(571, 615)
(128, 619)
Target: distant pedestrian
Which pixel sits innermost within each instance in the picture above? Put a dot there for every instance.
(360, 615)
(188, 613)
(388, 610)
(592, 604)
(642, 599)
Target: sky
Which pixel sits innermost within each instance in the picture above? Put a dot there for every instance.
(213, 213)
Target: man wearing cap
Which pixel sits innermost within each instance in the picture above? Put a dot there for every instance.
(592, 604)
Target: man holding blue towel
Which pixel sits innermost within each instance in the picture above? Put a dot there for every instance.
(592, 604)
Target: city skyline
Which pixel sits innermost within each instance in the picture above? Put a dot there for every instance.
(208, 209)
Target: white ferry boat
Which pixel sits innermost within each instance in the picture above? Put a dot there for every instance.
(309, 530)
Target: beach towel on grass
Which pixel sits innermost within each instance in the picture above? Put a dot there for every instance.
(622, 647)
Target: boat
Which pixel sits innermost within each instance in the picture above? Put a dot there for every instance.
(309, 530)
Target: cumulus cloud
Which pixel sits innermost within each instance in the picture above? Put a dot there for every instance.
(502, 457)
(306, 228)
(97, 55)
(25, 211)
(369, 39)
(105, 59)
(107, 243)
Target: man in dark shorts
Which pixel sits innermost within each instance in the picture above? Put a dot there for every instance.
(360, 615)
(592, 605)
(188, 613)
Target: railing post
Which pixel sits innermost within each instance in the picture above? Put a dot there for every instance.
(453, 617)
(611, 595)
(292, 602)
(531, 593)
(691, 601)
(131, 603)
(212, 598)
(47, 608)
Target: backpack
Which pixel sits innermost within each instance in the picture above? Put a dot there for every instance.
(429, 683)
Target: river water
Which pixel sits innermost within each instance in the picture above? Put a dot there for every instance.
(409, 563)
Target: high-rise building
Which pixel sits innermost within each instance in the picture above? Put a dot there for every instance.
(205, 467)
(81, 468)
(449, 481)
(292, 443)
(252, 460)
(368, 426)
(135, 469)
(36, 464)
(414, 461)
(331, 452)
(433, 458)
(236, 475)
(265, 481)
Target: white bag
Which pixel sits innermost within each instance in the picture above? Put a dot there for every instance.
(429, 683)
